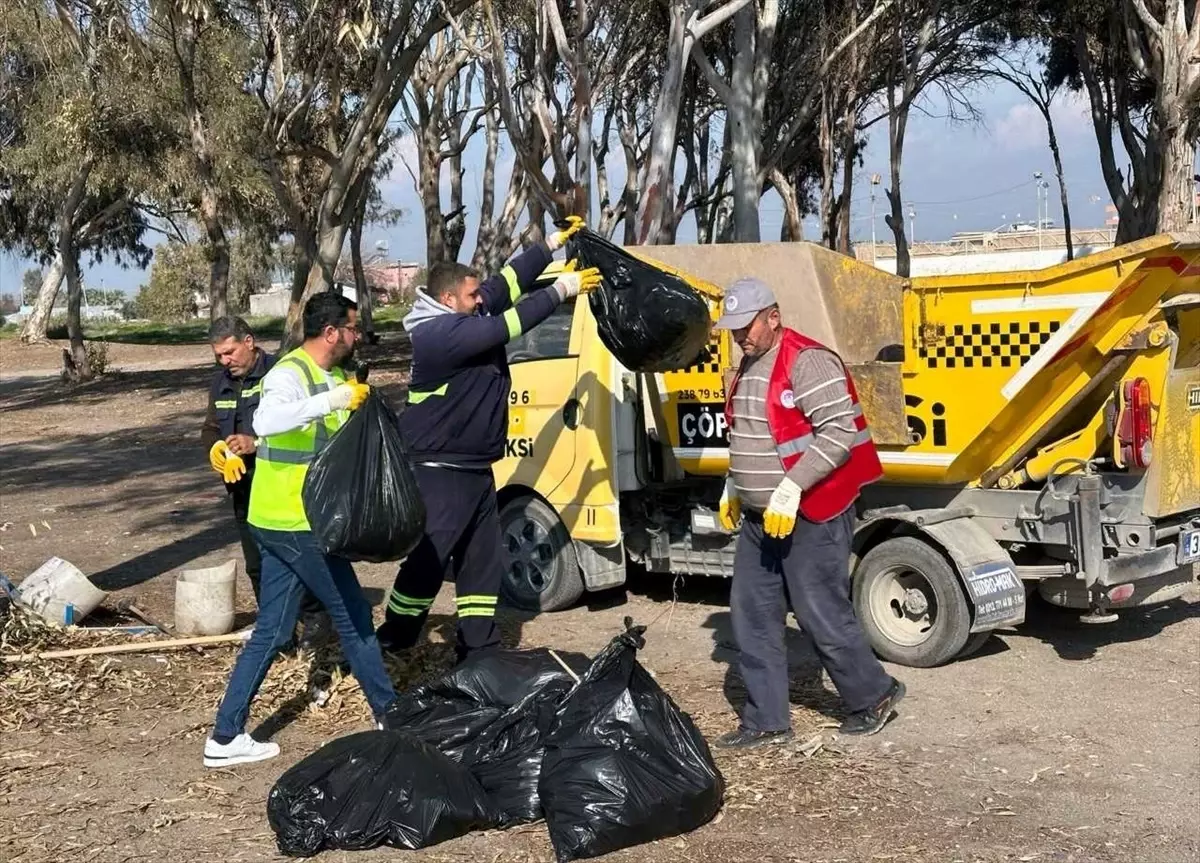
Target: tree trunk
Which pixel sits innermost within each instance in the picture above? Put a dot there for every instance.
(655, 206)
(1062, 183)
(362, 290)
(485, 236)
(429, 168)
(184, 33)
(849, 160)
(303, 258)
(78, 369)
(218, 250)
(627, 132)
(34, 330)
(792, 230)
(583, 136)
(746, 134)
(897, 120)
(828, 146)
(1176, 194)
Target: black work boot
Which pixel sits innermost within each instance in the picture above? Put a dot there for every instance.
(748, 738)
(391, 641)
(317, 630)
(874, 718)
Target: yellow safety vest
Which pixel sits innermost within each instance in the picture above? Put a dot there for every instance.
(283, 459)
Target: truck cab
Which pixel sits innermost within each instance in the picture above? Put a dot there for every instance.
(1040, 431)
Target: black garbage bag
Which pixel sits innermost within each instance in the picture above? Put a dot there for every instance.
(375, 788)
(623, 764)
(506, 758)
(450, 712)
(651, 320)
(360, 494)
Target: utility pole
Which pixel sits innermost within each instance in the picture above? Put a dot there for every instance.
(912, 222)
(875, 179)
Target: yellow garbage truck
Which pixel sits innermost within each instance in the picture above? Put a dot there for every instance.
(1039, 430)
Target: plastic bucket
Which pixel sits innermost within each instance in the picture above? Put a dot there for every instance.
(59, 593)
(204, 600)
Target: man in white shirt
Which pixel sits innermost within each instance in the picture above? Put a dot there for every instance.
(305, 400)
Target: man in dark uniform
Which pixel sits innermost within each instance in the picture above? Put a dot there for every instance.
(455, 426)
(229, 437)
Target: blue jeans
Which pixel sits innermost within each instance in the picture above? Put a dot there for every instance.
(291, 562)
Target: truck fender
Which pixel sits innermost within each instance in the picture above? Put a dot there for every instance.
(986, 572)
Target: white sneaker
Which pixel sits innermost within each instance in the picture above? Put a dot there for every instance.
(243, 749)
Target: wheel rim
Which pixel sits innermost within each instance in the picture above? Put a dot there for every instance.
(530, 566)
(903, 605)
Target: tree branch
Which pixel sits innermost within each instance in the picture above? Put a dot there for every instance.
(719, 85)
(700, 27)
(1149, 21)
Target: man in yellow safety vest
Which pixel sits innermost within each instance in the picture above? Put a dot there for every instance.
(305, 399)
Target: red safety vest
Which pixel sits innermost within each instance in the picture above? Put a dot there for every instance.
(793, 434)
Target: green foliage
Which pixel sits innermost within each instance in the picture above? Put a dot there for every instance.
(179, 272)
(31, 284)
(98, 297)
(81, 132)
(250, 266)
(97, 355)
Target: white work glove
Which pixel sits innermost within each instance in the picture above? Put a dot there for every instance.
(780, 518)
(729, 513)
(571, 283)
(348, 396)
(558, 239)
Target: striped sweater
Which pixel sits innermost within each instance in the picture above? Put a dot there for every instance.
(819, 383)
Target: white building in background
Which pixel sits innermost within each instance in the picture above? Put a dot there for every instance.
(1023, 248)
(86, 313)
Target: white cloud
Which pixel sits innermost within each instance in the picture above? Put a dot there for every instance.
(1022, 127)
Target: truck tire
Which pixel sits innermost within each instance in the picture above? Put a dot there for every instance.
(908, 598)
(541, 569)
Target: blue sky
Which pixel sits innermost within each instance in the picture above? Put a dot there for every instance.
(958, 178)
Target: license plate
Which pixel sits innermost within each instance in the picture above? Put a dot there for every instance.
(1189, 547)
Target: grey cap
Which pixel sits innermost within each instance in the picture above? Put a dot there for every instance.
(744, 299)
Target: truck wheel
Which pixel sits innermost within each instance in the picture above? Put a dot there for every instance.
(908, 598)
(541, 570)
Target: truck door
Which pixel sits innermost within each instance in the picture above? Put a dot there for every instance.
(543, 404)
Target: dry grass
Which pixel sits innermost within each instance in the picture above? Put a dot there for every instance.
(53, 695)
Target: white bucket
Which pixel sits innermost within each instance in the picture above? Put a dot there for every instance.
(59, 593)
(204, 600)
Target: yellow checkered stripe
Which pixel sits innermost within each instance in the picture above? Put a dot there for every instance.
(476, 605)
(1001, 344)
(711, 362)
(408, 606)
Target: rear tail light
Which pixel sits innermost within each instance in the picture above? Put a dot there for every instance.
(1120, 593)
(1134, 433)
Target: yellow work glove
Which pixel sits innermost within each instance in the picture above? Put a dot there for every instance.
(558, 239)
(780, 518)
(571, 282)
(234, 469)
(730, 511)
(218, 455)
(348, 396)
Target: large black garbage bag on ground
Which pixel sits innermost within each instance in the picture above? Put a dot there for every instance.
(651, 320)
(506, 758)
(450, 712)
(623, 764)
(360, 495)
(375, 788)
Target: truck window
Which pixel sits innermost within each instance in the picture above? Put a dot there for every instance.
(548, 340)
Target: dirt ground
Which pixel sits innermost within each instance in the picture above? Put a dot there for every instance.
(1057, 742)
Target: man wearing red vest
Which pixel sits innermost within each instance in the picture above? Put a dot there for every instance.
(799, 452)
